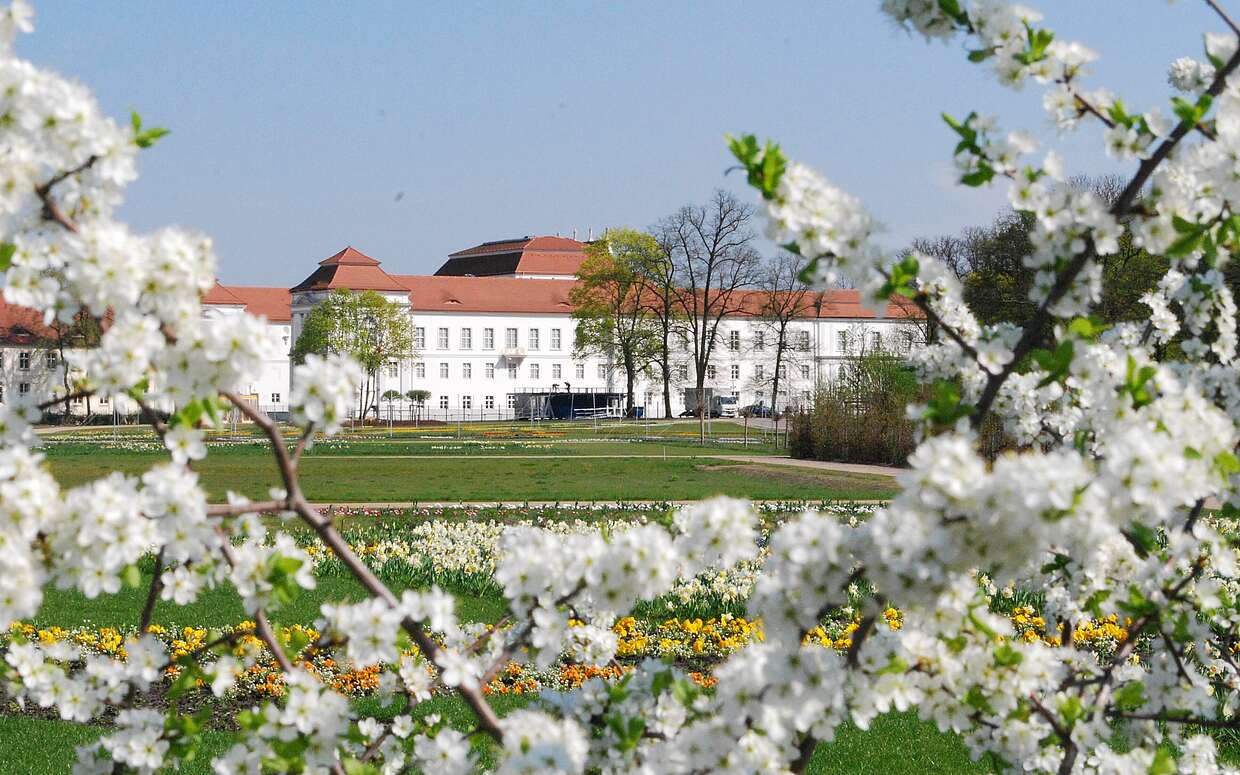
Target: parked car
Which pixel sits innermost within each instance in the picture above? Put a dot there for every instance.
(714, 413)
(756, 410)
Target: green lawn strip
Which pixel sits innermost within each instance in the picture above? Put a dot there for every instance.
(428, 479)
(222, 607)
(895, 744)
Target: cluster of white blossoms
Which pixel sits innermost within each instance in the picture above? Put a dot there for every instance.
(1132, 432)
(323, 389)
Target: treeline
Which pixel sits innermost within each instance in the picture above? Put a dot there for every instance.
(861, 417)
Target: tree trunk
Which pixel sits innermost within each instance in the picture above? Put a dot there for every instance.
(628, 377)
(666, 365)
(779, 358)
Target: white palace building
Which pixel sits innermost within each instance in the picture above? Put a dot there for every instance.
(493, 323)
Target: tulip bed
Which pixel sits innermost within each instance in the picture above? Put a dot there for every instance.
(695, 626)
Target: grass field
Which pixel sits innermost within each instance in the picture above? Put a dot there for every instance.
(336, 479)
(896, 744)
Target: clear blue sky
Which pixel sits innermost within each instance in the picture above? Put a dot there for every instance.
(297, 124)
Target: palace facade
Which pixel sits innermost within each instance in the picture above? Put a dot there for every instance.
(493, 323)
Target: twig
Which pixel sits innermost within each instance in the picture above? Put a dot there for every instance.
(1218, 9)
(51, 210)
(1031, 337)
(157, 584)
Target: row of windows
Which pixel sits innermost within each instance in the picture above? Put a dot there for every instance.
(467, 371)
(802, 342)
(759, 372)
(533, 338)
(26, 357)
(535, 371)
(467, 402)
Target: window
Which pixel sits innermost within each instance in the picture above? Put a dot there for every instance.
(734, 341)
(736, 372)
(488, 338)
(555, 339)
(602, 371)
(805, 372)
(512, 372)
(490, 370)
(555, 371)
(275, 398)
(419, 337)
(759, 341)
(443, 402)
(103, 400)
(419, 370)
(580, 371)
(467, 339)
(488, 402)
(393, 370)
(757, 372)
(510, 337)
(443, 371)
(710, 373)
(512, 401)
(682, 371)
(467, 402)
(533, 371)
(23, 360)
(842, 340)
(443, 339)
(23, 388)
(50, 359)
(908, 343)
(876, 341)
(467, 370)
(803, 340)
(533, 338)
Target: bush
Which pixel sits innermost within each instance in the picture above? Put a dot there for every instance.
(860, 417)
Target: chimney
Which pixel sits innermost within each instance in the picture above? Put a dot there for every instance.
(574, 234)
(591, 233)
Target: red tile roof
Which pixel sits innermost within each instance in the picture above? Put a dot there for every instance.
(22, 325)
(525, 256)
(488, 294)
(272, 303)
(349, 269)
(350, 256)
(836, 303)
(221, 295)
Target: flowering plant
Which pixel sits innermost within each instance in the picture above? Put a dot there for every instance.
(1125, 453)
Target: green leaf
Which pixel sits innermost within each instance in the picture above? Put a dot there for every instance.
(7, 251)
(1164, 763)
(764, 166)
(131, 575)
(147, 138)
(1130, 696)
(135, 121)
(979, 177)
(1142, 537)
(945, 405)
(1056, 364)
(1226, 464)
(1087, 327)
(1006, 656)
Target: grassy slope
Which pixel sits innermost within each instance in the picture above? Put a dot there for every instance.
(343, 480)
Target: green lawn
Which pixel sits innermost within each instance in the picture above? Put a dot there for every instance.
(359, 479)
(896, 744)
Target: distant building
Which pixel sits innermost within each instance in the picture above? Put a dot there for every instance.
(494, 323)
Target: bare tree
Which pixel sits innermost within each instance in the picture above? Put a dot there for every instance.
(711, 248)
(782, 299)
(658, 274)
